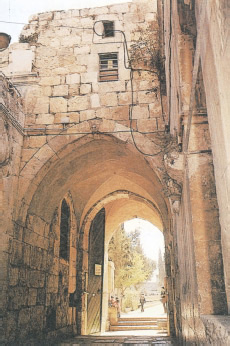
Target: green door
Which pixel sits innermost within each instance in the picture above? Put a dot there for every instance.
(95, 272)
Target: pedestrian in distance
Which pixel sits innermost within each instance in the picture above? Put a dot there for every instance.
(142, 301)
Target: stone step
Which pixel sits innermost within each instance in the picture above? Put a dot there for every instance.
(135, 323)
(133, 327)
(143, 318)
(118, 341)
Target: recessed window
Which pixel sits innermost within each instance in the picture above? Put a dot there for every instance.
(108, 67)
(108, 28)
(64, 231)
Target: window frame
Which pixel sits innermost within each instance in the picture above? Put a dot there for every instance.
(65, 227)
(106, 74)
(107, 32)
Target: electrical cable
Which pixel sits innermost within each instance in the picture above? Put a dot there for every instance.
(127, 65)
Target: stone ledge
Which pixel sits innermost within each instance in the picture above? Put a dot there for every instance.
(217, 329)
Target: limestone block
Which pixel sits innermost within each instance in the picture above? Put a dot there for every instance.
(140, 112)
(60, 90)
(27, 154)
(74, 89)
(37, 319)
(16, 253)
(150, 17)
(13, 276)
(146, 96)
(17, 297)
(66, 60)
(98, 10)
(34, 141)
(31, 168)
(21, 61)
(94, 101)
(82, 50)
(32, 298)
(44, 154)
(120, 8)
(52, 284)
(40, 105)
(125, 98)
(91, 77)
(105, 87)
(46, 16)
(24, 317)
(73, 78)
(78, 103)
(118, 113)
(63, 32)
(44, 119)
(87, 22)
(75, 13)
(41, 296)
(46, 91)
(53, 80)
(109, 99)
(73, 117)
(58, 104)
(87, 37)
(155, 110)
(54, 42)
(84, 12)
(85, 88)
(71, 41)
(107, 125)
(160, 124)
(36, 278)
(87, 114)
(147, 125)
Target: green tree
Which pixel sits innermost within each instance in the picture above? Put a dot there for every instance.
(132, 267)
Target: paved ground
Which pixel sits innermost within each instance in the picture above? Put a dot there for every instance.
(155, 311)
(132, 338)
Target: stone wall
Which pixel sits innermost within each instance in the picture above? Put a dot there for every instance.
(11, 128)
(199, 286)
(39, 281)
(56, 69)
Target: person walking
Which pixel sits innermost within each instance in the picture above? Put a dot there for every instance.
(164, 298)
(118, 305)
(142, 301)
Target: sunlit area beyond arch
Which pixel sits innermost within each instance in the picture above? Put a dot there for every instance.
(152, 239)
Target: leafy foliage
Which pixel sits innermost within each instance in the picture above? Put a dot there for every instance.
(132, 267)
(145, 52)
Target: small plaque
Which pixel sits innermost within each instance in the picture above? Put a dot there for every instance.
(98, 269)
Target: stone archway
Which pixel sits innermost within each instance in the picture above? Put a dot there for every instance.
(119, 206)
(97, 171)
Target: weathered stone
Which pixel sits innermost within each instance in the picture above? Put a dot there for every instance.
(55, 80)
(85, 88)
(73, 78)
(109, 99)
(58, 104)
(60, 90)
(45, 119)
(140, 112)
(95, 101)
(78, 103)
(147, 125)
(41, 106)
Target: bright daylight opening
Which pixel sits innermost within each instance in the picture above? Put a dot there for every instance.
(137, 279)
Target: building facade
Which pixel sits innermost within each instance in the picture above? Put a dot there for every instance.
(108, 114)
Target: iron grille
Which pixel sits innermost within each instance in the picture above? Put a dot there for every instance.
(108, 67)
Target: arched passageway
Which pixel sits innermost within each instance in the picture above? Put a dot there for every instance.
(91, 174)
